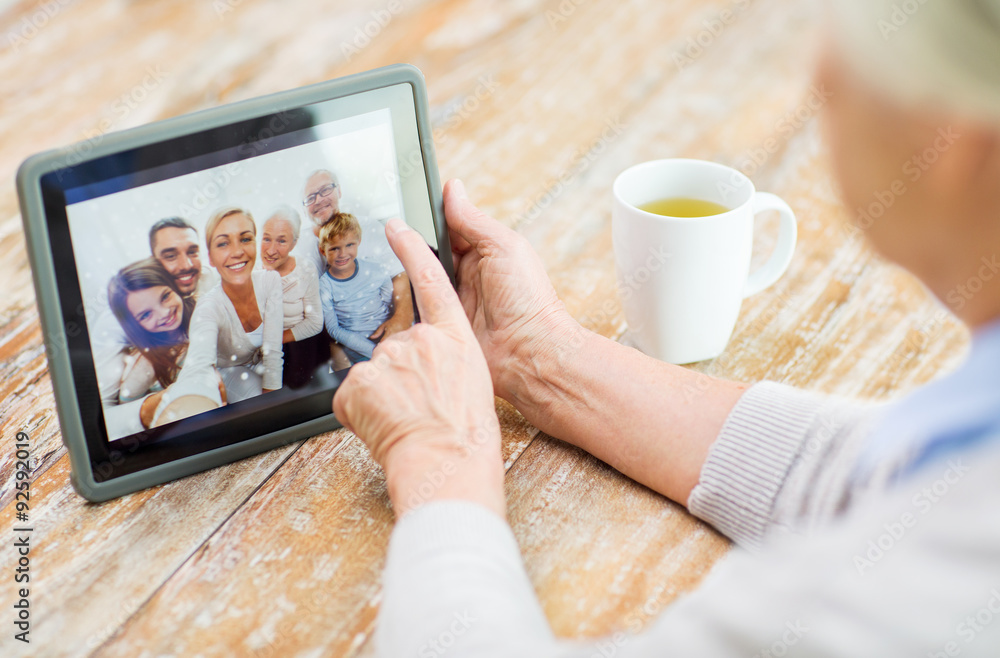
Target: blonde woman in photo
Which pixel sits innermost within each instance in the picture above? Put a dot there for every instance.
(236, 328)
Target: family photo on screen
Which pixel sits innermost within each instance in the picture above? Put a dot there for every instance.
(234, 304)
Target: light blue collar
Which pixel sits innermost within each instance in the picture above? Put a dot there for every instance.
(953, 413)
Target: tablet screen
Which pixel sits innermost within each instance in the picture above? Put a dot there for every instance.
(222, 281)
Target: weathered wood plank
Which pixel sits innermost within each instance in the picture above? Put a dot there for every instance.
(603, 552)
(92, 566)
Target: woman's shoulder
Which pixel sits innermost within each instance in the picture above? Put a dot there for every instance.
(213, 293)
(209, 306)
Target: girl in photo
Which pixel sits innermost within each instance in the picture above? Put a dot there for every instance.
(155, 318)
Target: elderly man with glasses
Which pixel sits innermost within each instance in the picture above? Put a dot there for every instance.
(321, 199)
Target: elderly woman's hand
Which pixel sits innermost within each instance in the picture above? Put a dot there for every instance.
(424, 403)
(520, 322)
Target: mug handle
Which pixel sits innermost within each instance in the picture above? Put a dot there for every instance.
(776, 265)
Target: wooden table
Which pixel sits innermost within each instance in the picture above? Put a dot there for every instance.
(537, 105)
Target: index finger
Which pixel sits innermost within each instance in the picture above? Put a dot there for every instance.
(437, 300)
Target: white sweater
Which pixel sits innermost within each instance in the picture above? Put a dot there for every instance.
(217, 340)
(303, 312)
(827, 565)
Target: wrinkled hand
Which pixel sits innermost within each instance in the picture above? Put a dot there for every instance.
(507, 296)
(424, 403)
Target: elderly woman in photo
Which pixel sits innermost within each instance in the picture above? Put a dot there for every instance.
(236, 326)
(303, 347)
(154, 317)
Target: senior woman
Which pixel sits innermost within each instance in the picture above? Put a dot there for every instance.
(236, 327)
(871, 531)
(303, 348)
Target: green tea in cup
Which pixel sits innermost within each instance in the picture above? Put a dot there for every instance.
(683, 207)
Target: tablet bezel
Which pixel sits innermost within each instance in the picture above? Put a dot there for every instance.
(98, 475)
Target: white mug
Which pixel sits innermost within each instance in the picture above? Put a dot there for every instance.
(682, 280)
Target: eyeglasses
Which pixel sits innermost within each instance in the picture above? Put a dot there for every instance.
(324, 191)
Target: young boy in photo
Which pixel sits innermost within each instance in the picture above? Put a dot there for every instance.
(356, 294)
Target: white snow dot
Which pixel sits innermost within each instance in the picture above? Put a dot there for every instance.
(232, 358)
(245, 376)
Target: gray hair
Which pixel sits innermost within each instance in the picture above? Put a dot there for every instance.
(329, 173)
(290, 215)
(944, 54)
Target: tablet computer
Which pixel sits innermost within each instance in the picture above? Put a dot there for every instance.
(205, 282)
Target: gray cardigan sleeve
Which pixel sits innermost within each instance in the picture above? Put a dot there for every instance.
(889, 578)
(784, 462)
